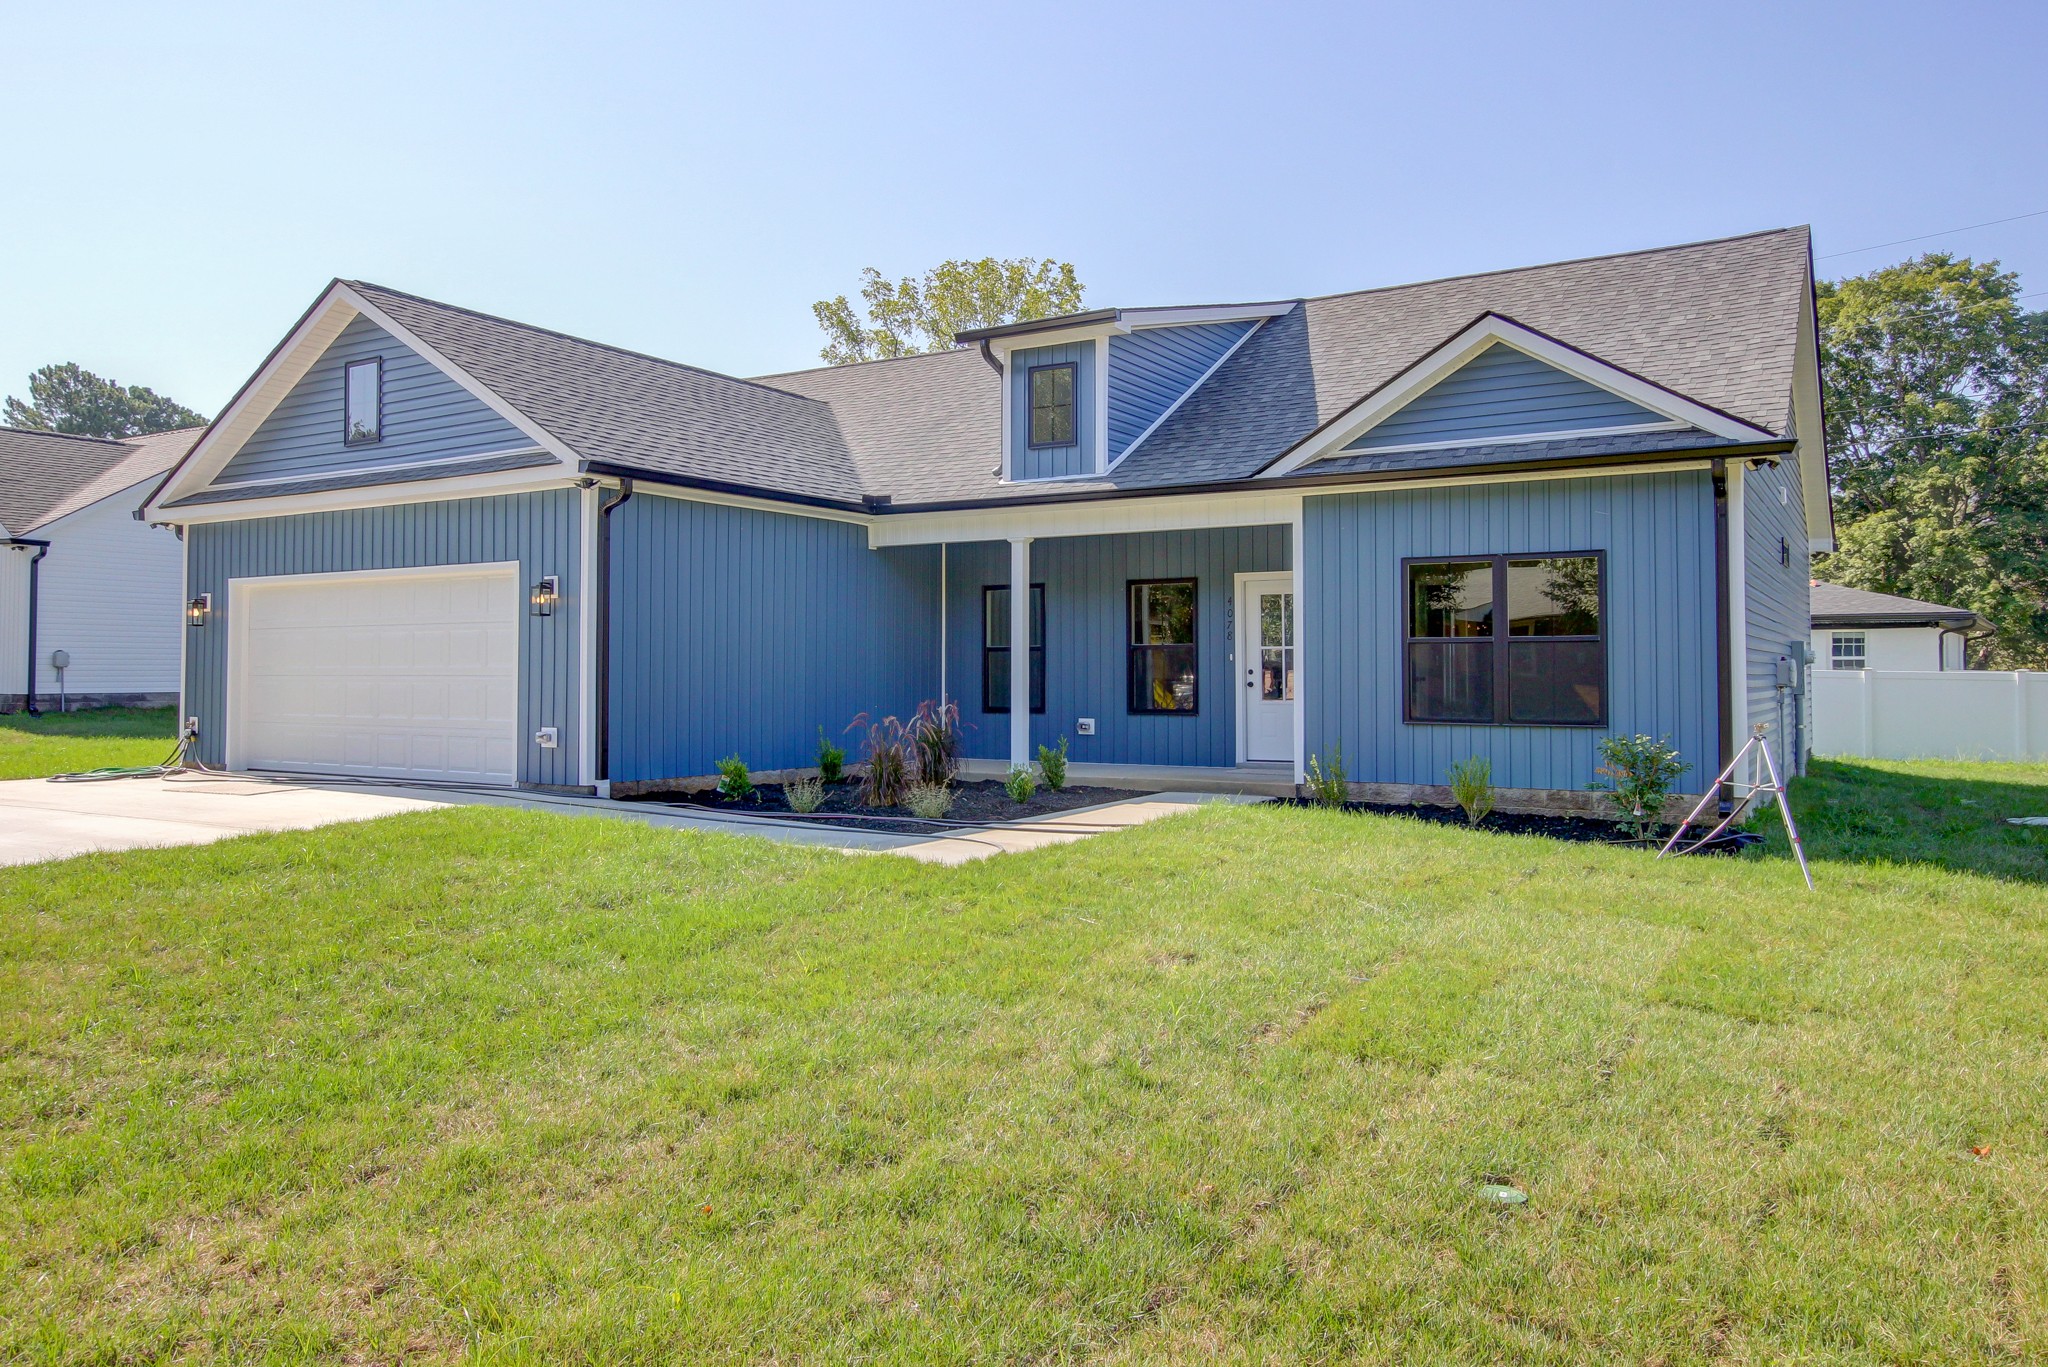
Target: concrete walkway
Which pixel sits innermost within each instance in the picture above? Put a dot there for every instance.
(40, 820)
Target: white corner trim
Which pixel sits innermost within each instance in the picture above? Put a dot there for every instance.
(1189, 393)
(1009, 379)
(1738, 607)
(1101, 403)
(586, 637)
(1397, 393)
(1297, 556)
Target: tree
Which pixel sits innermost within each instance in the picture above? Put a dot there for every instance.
(69, 398)
(1937, 422)
(912, 316)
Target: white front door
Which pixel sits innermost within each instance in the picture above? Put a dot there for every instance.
(1265, 658)
(408, 674)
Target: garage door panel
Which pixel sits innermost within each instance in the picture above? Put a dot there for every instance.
(406, 676)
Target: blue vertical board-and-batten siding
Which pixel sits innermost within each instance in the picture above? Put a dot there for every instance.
(1151, 370)
(1662, 659)
(1502, 392)
(542, 531)
(1052, 462)
(1086, 626)
(1778, 591)
(742, 631)
(426, 416)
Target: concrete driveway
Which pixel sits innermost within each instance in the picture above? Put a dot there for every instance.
(40, 820)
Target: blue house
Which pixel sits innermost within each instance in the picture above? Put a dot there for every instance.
(1503, 515)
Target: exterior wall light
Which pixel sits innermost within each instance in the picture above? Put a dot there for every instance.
(546, 592)
(198, 610)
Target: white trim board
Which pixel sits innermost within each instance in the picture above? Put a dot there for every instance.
(1397, 393)
(350, 471)
(522, 481)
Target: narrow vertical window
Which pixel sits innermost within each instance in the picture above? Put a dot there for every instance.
(1052, 404)
(1849, 650)
(1163, 664)
(995, 649)
(362, 419)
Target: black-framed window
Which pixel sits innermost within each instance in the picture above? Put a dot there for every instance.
(1051, 392)
(362, 402)
(995, 648)
(1164, 667)
(1507, 640)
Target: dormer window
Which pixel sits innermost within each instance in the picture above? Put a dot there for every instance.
(1052, 405)
(362, 420)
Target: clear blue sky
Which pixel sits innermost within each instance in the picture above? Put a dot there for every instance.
(685, 181)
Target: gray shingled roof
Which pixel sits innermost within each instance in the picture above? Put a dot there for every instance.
(46, 475)
(1839, 605)
(1714, 321)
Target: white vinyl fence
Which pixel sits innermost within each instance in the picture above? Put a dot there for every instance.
(1925, 714)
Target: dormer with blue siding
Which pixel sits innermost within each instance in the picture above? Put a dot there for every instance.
(1152, 370)
(1501, 394)
(414, 415)
(1053, 407)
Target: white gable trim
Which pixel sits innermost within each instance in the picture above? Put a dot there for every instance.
(285, 367)
(1187, 394)
(1519, 438)
(1397, 393)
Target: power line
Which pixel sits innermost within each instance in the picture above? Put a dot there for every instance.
(1899, 242)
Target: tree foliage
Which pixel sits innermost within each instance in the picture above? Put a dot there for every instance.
(71, 399)
(910, 316)
(1937, 418)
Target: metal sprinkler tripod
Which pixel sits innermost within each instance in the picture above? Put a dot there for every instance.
(1746, 793)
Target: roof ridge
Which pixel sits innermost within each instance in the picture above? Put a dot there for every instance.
(873, 360)
(1552, 265)
(572, 337)
(76, 436)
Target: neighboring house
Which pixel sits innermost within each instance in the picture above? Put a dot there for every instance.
(1503, 515)
(1858, 629)
(79, 574)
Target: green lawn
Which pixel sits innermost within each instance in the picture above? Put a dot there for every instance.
(534, 1088)
(36, 747)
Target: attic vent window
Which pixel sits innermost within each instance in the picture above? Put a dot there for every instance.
(363, 402)
(1052, 404)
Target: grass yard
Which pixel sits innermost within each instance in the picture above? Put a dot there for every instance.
(520, 1087)
(106, 737)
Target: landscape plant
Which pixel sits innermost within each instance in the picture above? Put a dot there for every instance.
(932, 742)
(1472, 787)
(929, 800)
(1637, 778)
(1052, 765)
(884, 765)
(1327, 784)
(734, 782)
(805, 794)
(831, 759)
(1021, 783)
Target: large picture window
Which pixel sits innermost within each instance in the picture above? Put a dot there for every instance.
(1162, 646)
(1507, 640)
(995, 648)
(1052, 405)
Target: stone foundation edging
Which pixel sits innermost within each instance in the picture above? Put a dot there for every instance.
(1532, 801)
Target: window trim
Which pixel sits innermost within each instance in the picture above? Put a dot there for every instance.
(1073, 388)
(1862, 656)
(1131, 647)
(1500, 637)
(347, 370)
(1038, 595)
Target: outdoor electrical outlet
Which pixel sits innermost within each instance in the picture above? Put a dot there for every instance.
(545, 738)
(1084, 726)
(191, 728)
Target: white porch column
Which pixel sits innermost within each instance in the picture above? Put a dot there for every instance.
(1020, 650)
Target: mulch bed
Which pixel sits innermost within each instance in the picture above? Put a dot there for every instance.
(984, 801)
(1583, 828)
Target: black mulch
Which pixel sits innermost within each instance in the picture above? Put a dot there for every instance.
(1509, 823)
(985, 801)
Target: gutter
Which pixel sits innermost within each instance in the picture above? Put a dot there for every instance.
(601, 704)
(34, 585)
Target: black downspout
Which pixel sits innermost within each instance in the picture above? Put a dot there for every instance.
(1723, 616)
(603, 607)
(34, 583)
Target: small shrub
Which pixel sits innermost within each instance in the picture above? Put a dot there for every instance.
(1052, 765)
(932, 742)
(1472, 787)
(1327, 783)
(735, 784)
(804, 795)
(929, 800)
(885, 766)
(831, 760)
(1637, 779)
(1021, 783)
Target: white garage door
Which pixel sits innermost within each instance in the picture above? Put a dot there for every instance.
(408, 675)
